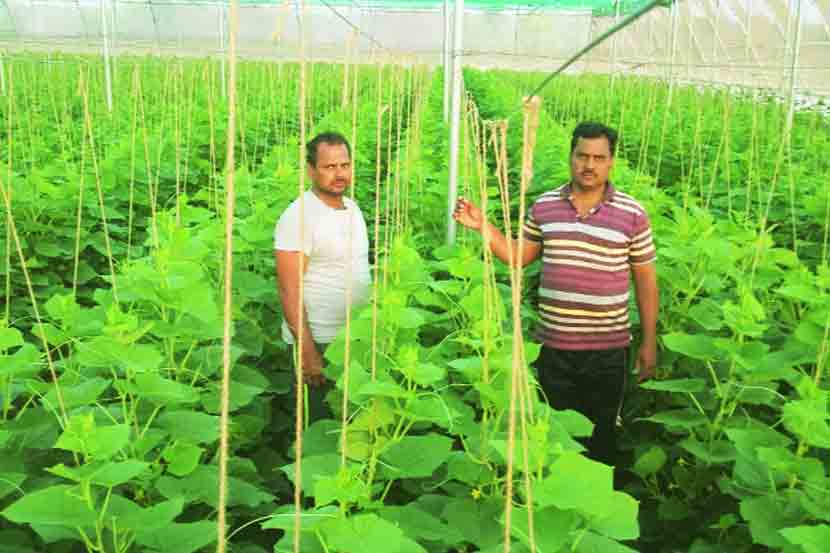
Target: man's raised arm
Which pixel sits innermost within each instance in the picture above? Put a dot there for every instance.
(473, 218)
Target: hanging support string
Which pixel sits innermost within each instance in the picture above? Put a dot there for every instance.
(230, 195)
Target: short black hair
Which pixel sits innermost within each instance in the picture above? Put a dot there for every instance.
(328, 137)
(591, 129)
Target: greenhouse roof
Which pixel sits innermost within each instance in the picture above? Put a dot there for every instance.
(599, 7)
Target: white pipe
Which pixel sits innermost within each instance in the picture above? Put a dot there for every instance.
(114, 38)
(614, 44)
(455, 120)
(107, 72)
(446, 61)
(796, 48)
(222, 48)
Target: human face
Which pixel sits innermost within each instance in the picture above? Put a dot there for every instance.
(591, 162)
(332, 174)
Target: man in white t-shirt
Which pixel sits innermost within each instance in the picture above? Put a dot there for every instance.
(331, 223)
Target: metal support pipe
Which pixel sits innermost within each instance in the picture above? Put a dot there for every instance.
(795, 52)
(107, 71)
(455, 121)
(222, 49)
(446, 61)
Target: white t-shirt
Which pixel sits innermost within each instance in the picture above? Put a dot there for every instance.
(325, 242)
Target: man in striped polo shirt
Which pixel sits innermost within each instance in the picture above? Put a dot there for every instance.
(591, 238)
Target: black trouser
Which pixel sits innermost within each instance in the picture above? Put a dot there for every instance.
(315, 403)
(591, 382)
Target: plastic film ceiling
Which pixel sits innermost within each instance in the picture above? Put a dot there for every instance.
(756, 43)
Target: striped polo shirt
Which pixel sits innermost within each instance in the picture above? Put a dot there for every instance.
(584, 290)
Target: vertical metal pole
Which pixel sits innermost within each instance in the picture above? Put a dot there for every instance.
(675, 21)
(614, 44)
(796, 48)
(107, 72)
(455, 121)
(446, 61)
(222, 48)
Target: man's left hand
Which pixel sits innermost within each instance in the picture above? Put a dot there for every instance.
(646, 360)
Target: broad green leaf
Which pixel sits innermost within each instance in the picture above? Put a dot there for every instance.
(56, 505)
(10, 338)
(417, 456)
(345, 487)
(203, 485)
(719, 451)
(473, 520)
(178, 538)
(594, 543)
(314, 467)
(152, 518)
(814, 539)
(570, 476)
(108, 474)
(683, 418)
(182, 458)
(86, 392)
(356, 532)
(283, 518)
(416, 523)
(190, 426)
(25, 362)
(769, 514)
(574, 422)
(679, 385)
(698, 346)
(552, 527)
(650, 462)
(807, 418)
(10, 482)
(155, 388)
(83, 436)
(707, 314)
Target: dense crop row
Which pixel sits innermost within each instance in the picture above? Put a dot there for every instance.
(120, 224)
(728, 447)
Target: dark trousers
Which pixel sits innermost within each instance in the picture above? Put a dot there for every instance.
(591, 382)
(314, 401)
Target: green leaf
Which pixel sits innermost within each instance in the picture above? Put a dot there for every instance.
(85, 393)
(679, 385)
(698, 346)
(417, 456)
(552, 527)
(25, 362)
(769, 514)
(358, 531)
(158, 389)
(178, 538)
(96, 442)
(814, 539)
(56, 505)
(182, 458)
(203, 483)
(718, 451)
(283, 518)
(683, 418)
(10, 482)
(314, 467)
(10, 338)
(594, 543)
(417, 524)
(569, 477)
(190, 426)
(107, 474)
(650, 462)
(151, 518)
